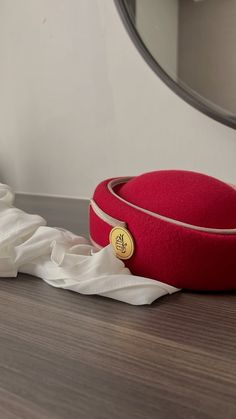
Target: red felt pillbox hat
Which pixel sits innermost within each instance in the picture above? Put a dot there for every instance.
(177, 227)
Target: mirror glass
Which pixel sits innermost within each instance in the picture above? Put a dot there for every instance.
(193, 42)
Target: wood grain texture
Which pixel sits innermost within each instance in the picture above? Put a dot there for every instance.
(64, 355)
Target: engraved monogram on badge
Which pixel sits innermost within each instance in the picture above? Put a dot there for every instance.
(122, 242)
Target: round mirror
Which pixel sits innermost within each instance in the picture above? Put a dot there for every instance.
(190, 44)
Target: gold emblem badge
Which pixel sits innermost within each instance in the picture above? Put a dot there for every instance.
(122, 242)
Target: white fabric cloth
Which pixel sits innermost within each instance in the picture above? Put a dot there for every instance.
(65, 260)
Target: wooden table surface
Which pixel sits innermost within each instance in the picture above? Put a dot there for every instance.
(65, 355)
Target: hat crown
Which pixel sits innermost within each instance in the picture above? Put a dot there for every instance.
(185, 196)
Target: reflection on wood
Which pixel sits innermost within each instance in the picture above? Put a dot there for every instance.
(65, 355)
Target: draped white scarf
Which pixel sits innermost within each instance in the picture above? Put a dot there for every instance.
(65, 260)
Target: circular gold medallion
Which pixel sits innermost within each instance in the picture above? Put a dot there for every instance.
(122, 242)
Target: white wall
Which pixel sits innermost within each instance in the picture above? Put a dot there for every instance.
(157, 23)
(79, 104)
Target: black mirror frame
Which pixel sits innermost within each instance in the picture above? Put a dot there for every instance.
(181, 91)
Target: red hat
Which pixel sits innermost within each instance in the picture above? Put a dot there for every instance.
(177, 227)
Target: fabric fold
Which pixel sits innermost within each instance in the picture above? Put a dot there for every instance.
(65, 260)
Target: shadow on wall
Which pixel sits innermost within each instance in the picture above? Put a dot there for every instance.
(2, 178)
